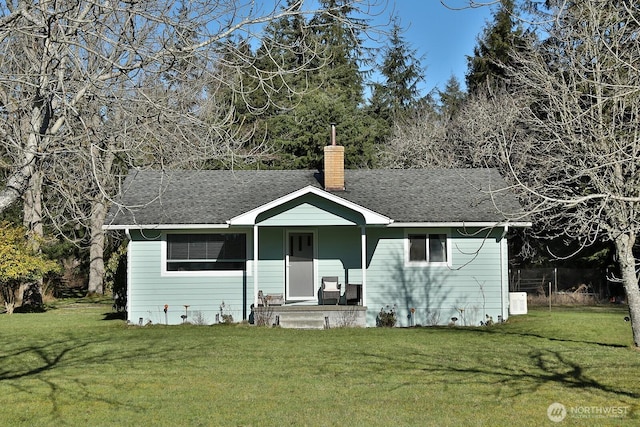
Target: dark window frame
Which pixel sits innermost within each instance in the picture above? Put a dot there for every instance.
(205, 252)
(421, 248)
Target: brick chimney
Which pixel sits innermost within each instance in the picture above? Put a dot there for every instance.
(333, 164)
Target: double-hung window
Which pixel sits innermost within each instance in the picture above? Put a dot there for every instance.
(206, 252)
(427, 249)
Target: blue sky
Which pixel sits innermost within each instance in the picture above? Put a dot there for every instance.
(441, 36)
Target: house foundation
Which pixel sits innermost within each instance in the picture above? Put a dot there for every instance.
(311, 316)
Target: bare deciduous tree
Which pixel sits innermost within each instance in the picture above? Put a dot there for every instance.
(92, 86)
(578, 100)
(57, 55)
(419, 141)
(583, 91)
(566, 135)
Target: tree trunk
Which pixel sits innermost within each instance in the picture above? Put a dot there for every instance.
(15, 186)
(8, 292)
(9, 307)
(30, 294)
(96, 250)
(624, 249)
(32, 210)
(20, 180)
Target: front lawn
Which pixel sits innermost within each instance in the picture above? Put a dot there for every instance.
(75, 365)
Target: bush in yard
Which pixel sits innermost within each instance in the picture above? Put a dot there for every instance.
(115, 277)
(387, 317)
(19, 263)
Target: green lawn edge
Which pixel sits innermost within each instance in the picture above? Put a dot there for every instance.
(80, 364)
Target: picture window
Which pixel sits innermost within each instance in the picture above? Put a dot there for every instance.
(206, 252)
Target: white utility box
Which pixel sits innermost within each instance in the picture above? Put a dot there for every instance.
(517, 303)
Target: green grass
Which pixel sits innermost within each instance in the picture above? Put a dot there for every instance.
(74, 365)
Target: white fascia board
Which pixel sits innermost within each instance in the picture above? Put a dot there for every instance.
(370, 217)
(460, 224)
(164, 226)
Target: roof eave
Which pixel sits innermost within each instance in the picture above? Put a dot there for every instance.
(163, 226)
(436, 224)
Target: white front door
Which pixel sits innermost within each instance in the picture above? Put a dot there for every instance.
(300, 266)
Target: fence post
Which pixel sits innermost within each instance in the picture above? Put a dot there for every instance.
(549, 295)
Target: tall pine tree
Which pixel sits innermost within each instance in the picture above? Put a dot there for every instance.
(401, 71)
(291, 113)
(486, 68)
(451, 98)
(333, 93)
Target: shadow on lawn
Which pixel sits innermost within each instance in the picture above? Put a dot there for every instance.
(46, 355)
(55, 367)
(546, 367)
(532, 335)
(115, 315)
(539, 366)
(552, 367)
(78, 352)
(65, 367)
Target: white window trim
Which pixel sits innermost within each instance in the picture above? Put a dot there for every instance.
(427, 232)
(248, 269)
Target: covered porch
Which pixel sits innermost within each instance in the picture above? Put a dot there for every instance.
(299, 240)
(332, 309)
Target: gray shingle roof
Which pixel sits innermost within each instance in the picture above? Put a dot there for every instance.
(407, 195)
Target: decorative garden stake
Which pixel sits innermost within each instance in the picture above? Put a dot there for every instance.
(166, 307)
(186, 313)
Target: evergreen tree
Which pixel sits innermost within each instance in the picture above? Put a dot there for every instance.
(180, 67)
(265, 95)
(402, 72)
(289, 42)
(291, 113)
(451, 98)
(343, 50)
(332, 93)
(486, 68)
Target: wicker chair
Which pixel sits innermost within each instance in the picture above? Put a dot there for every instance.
(330, 289)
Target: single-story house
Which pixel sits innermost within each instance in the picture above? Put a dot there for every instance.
(430, 244)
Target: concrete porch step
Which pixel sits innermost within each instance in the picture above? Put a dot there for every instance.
(312, 316)
(302, 320)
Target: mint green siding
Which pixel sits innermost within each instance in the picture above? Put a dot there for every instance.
(309, 210)
(339, 253)
(472, 286)
(149, 289)
(271, 253)
(469, 289)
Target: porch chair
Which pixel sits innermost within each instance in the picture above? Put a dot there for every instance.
(330, 289)
(353, 294)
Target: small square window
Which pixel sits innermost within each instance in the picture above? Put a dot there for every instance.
(427, 248)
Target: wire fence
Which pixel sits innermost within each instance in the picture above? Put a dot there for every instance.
(545, 281)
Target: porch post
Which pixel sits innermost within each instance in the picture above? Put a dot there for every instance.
(255, 264)
(504, 275)
(363, 261)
